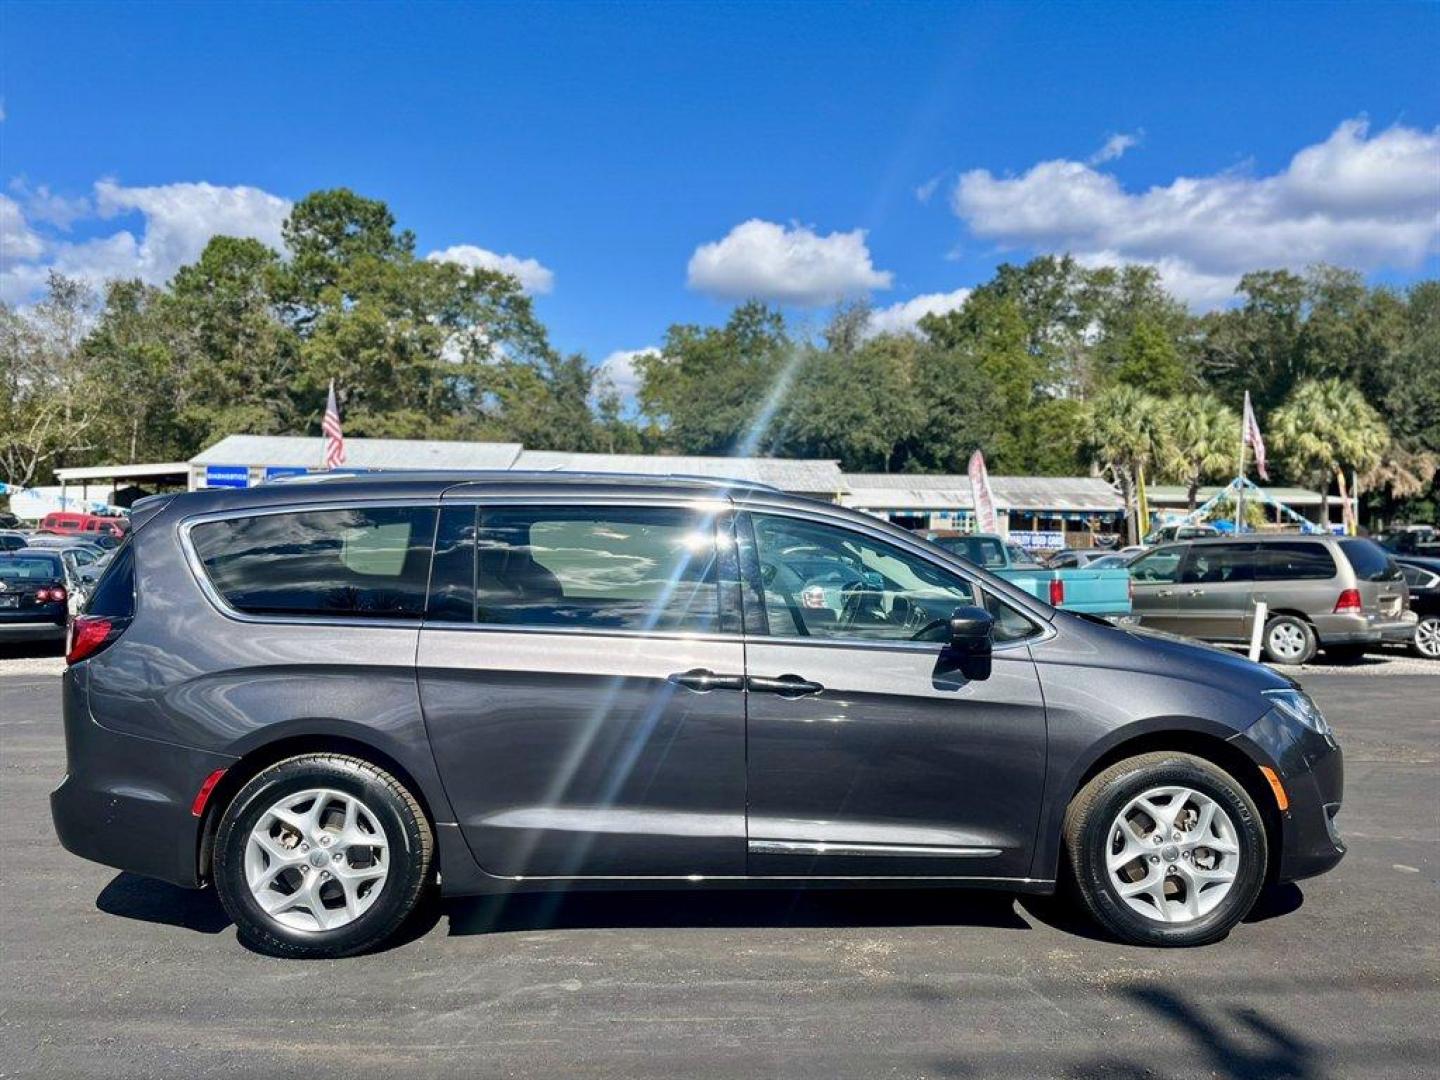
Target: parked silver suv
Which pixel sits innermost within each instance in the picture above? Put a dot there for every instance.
(1340, 594)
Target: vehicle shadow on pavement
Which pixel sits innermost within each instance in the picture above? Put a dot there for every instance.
(131, 896)
(1237, 1042)
(731, 908)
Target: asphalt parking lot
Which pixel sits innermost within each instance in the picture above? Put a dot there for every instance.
(104, 974)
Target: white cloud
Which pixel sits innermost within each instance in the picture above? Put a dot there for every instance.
(791, 265)
(42, 204)
(923, 192)
(619, 369)
(1115, 147)
(533, 277)
(178, 221)
(1355, 199)
(903, 317)
(18, 242)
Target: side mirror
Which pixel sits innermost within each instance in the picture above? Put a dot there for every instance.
(971, 629)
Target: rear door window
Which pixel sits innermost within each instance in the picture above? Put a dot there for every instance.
(577, 567)
(1297, 560)
(1369, 560)
(354, 562)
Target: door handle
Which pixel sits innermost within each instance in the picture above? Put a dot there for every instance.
(1196, 592)
(702, 681)
(784, 685)
(1163, 593)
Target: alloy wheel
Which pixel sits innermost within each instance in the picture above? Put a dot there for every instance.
(316, 860)
(1427, 638)
(1173, 854)
(1287, 641)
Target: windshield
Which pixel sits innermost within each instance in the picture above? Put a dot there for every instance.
(17, 567)
(981, 550)
(1370, 561)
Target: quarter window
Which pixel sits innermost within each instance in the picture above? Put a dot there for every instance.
(359, 562)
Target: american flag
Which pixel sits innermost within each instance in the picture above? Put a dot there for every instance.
(334, 437)
(1250, 433)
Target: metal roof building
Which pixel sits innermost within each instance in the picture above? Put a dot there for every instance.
(244, 460)
(821, 478)
(1033, 509)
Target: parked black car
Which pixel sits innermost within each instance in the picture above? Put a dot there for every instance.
(323, 697)
(1422, 576)
(34, 596)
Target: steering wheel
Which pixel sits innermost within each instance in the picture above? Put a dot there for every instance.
(933, 624)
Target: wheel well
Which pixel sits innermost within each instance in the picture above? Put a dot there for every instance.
(1289, 611)
(1219, 753)
(262, 757)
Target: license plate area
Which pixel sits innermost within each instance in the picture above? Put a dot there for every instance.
(11, 601)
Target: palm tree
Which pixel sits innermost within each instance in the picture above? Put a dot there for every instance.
(1129, 431)
(1205, 438)
(1324, 427)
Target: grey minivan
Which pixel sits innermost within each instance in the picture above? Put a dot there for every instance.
(327, 698)
(1340, 594)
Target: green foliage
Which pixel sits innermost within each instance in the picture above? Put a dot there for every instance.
(1049, 368)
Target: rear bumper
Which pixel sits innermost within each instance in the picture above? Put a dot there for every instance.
(32, 631)
(125, 801)
(1363, 629)
(1312, 770)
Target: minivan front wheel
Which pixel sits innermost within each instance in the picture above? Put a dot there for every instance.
(322, 855)
(1167, 849)
(1289, 640)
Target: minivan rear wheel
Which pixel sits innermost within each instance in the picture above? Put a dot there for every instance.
(321, 855)
(1289, 639)
(1166, 849)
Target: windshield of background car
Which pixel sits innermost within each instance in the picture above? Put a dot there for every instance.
(17, 567)
(983, 551)
(1370, 561)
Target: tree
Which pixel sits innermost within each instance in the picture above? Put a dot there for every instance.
(47, 414)
(711, 390)
(1324, 428)
(1128, 433)
(1204, 441)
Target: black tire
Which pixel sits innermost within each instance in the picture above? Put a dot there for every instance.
(410, 842)
(1429, 651)
(1087, 841)
(1284, 624)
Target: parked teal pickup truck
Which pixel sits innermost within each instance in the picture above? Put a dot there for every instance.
(1095, 592)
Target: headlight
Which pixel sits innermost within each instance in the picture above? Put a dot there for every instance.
(1297, 705)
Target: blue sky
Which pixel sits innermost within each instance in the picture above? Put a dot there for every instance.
(618, 152)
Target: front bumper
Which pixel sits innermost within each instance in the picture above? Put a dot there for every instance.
(1311, 768)
(125, 801)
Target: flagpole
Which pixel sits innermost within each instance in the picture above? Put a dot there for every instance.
(1240, 476)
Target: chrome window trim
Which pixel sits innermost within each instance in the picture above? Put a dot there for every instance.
(184, 527)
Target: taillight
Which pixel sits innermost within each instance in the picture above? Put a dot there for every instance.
(1057, 592)
(1349, 603)
(47, 596)
(91, 633)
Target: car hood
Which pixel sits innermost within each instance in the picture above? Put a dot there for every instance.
(1137, 648)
